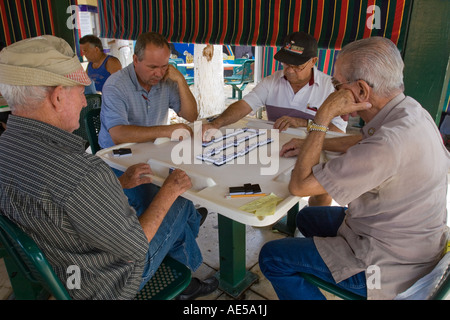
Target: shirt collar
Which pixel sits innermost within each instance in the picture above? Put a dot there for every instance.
(312, 80)
(46, 132)
(133, 77)
(374, 125)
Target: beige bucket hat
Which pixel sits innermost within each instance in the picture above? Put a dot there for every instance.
(41, 61)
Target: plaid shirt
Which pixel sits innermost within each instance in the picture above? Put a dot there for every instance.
(73, 206)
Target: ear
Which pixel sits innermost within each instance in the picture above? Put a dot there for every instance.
(57, 98)
(135, 59)
(364, 91)
(314, 60)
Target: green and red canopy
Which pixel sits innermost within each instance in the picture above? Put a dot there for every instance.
(256, 22)
(21, 19)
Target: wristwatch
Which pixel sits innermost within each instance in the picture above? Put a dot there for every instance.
(312, 126)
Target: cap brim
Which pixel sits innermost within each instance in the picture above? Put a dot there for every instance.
(290, 58)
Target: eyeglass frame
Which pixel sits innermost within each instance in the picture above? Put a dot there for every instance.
(294, 67)
(338, 84)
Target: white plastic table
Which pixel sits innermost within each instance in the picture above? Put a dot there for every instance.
(211, 185)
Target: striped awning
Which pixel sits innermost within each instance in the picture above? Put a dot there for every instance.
(256, 22)
(21, 19)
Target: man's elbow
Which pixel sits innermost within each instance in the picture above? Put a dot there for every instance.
(117, 141)
(298, 189)
(306, 187)
(194, 116)
(191, 116)
(117, 135)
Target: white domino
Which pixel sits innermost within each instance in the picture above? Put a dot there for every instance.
(209, 153)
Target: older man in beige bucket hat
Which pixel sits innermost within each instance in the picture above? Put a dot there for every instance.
(71, 202)
(35, 67)
(42, 61)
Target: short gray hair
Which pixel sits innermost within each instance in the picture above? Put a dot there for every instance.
(23, 98)
(375, 60)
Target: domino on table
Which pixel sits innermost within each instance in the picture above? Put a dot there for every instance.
(226, 158)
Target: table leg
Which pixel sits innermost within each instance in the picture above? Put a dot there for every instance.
(233, 277)
(288, 224)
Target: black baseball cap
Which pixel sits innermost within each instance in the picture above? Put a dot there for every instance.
(298, 48)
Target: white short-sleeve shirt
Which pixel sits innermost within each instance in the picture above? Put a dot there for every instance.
(276, 94)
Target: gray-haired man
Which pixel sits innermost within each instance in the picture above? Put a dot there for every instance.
(394, 182)
(70, 202)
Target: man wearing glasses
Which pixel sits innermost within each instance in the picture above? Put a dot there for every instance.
(391, 229)
(291, 96)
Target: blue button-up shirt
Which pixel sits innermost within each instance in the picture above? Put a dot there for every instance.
(126, 102)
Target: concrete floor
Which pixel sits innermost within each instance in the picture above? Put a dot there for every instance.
(255, 239)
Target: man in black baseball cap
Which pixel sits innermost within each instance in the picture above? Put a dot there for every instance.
(299, 48)
(290, 96)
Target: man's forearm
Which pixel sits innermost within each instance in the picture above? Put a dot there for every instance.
(189, 110)
(302, 181)
(152, 218)
(136, 134)
(233, 113)
(341, 144)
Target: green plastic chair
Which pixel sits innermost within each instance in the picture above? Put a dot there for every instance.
(433, 286)
(32, 277)
(331, 288)
(172, 62)
(241, 77)
(94, 101)
(442, 291)
(169, 281)
(92, 125)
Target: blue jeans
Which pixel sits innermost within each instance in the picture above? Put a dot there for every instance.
(177, 234)
(282, 260)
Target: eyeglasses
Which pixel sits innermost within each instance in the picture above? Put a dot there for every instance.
(337, 84)
(295, 68)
